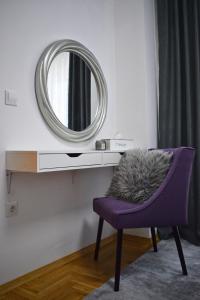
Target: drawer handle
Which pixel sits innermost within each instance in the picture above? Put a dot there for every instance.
(73, 154)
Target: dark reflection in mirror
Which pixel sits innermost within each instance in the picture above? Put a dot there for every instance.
(79, 95)
(72, 91)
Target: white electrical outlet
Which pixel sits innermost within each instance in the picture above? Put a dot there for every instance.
(11, 208)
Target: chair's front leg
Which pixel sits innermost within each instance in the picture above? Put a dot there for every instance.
(118, 259)
(153, 236)
(179, 248)
(98, 240)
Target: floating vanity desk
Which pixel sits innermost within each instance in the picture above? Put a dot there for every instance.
(51, 161)
(54, 161)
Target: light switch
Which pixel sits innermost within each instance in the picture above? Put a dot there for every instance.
(10, 98)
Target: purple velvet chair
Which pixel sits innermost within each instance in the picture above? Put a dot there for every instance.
(167, 207)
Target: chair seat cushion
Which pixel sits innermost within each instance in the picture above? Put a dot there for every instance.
(118, 213)
(123, 214)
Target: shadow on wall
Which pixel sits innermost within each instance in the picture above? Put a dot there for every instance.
(89, 229)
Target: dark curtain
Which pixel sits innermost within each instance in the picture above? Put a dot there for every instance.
(79, 94)
(179, 91)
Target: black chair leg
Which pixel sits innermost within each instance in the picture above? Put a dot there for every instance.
(179, 248)
(98, 240)
(118, 259)
(153, 236)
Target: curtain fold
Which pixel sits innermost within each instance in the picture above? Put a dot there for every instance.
(79, 94)
(179, 90)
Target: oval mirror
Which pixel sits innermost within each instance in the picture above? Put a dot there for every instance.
(71, 90)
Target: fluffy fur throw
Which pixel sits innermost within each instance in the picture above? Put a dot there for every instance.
(139, 174)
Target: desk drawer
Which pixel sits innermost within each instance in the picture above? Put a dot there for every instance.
(111, 158)
(68, 160)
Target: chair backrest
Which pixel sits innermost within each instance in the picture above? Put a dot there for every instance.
(171, 199)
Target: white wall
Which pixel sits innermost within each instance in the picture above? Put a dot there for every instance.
(151, 72)
(55, 214)
(135, 71)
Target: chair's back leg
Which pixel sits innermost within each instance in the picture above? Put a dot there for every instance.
(98, 240)
(179, 248)
(118, 259)
(153, 236)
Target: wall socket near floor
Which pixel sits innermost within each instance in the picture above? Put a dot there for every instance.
(11, 208)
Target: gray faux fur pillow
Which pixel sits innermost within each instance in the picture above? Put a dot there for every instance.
(139, 174)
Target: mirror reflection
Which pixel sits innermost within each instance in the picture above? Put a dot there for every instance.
(72, 91)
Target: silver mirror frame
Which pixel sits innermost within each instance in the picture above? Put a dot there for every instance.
(46, 110)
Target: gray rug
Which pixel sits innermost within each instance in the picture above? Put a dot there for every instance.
(157, 276)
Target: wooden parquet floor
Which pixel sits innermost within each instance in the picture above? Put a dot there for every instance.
(76, 275)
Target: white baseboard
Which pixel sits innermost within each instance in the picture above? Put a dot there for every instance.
(143, 232)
